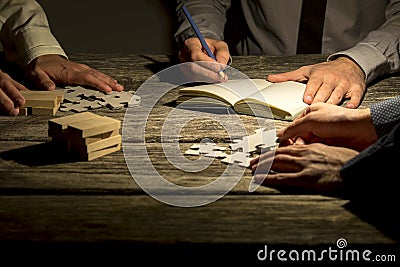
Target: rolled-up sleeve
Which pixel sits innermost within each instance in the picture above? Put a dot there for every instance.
(25, 32)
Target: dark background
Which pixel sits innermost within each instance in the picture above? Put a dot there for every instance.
(124, 26)
(116, 26)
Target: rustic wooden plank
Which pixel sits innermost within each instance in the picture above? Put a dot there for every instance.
(307, 220)
(39, 167)
(49, 198)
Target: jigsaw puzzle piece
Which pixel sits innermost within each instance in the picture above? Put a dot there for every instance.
(252, 143)
(242, 158)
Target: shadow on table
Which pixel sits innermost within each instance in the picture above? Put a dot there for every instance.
(157, 66)
(39, 155)
(380, 214)
(378, 210)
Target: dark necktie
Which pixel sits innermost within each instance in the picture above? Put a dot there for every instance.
(311, 27)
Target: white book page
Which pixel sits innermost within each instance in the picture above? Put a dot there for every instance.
(287, 96)
(231, 91)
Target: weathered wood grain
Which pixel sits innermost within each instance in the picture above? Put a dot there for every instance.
(47, 197)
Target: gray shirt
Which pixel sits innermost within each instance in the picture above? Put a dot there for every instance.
(367, 31)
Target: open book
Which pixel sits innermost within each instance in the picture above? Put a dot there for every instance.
(250, 97)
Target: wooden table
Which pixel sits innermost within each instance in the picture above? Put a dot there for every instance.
(96, 206)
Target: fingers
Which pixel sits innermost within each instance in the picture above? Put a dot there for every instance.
(222, 53)
(357, 93)
(201, 72)
(7, 104)
(10, 96)
(42, 80)
(48, 70)
(97, 80)
(300, 75)
(278, 179)
(329, 82)
(193, 51)
(301, 127)
(254, 163)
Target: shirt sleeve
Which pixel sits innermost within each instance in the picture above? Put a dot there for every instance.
(25, 32)
(209, 16)
(385, 115)
(373, 173)
(380, 159)
(378, 53)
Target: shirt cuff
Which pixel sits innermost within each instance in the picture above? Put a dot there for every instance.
(369, 58)
(385, 115)
(36, 42)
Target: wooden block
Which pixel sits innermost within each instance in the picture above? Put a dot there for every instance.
(98, 153)
(42, 99)
(57, 126)
(91, 139)
(99, 145)
(24, 111)
(93, 127)
(45, 111)
(60, 95)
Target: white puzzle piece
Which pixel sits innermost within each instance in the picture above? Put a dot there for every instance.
(79, 99)
(242, 150)
(242, 158)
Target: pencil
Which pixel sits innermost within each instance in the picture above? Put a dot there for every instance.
(201, 38)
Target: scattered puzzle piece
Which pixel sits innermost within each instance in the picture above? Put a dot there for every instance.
(80, 99)
(207, 149)
(252, 143)
(242, 158)
(241, 150)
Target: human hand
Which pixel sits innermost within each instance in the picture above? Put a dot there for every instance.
(333, 125)
(10, 97)
(207, 67)
(48, 70)
(314, 167)
(329, 81)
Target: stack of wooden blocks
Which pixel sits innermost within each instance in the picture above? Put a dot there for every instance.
(41, 102)
(87, 135)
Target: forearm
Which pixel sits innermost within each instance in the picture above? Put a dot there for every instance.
(378, 53)
(25, 33)
(209, 16)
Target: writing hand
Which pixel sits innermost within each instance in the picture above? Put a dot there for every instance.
(48, 70)
(329, 81)
(192, 51)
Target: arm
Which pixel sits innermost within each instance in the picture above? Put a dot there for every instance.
(25, 33)
(381, 46)
(27, 40)
(210, 17)
(346, 73)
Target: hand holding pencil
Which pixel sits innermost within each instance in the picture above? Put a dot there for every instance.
(205, 50)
